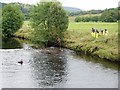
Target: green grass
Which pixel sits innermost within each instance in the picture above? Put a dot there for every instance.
(86, 26)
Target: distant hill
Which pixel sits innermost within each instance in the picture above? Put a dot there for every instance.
(27, 6)
(72, 9)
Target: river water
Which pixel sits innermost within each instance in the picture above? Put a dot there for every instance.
(51, 68)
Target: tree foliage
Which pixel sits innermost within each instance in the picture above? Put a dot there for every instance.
(12, 19)
(49, 21)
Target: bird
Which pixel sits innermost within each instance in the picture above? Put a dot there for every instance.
(20, 62)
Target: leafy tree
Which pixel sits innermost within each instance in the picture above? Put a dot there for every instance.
(49, 21)
(12, 20)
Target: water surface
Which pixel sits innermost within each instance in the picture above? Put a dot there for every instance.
(51, 68)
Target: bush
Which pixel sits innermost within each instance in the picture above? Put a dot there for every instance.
(78, 19)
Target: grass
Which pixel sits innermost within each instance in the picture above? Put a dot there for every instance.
(86, 26)
(78, 37)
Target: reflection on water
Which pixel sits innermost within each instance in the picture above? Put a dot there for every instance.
(51, 68)
(103, 62)
(10, 43)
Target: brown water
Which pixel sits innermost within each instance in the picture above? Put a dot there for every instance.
(51, 68)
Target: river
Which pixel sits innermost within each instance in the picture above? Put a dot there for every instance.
(51, 68)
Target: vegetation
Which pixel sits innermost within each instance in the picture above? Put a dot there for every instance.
(49, 21)
(109, 15)
(25, 8)
(82, 12)
(12, 20)
(87, 19)
(24, 32)
(47, 25)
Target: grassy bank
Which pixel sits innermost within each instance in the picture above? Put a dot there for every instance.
(78, 37)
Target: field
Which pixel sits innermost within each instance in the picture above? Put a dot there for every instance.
(78, 37)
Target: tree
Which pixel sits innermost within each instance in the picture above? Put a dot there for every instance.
(12, 20)
(49, 21)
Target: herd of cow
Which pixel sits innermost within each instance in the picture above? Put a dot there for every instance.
(96, 33)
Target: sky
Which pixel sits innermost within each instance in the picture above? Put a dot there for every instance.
(81, 4)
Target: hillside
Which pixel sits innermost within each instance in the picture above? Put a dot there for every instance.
(72, 9)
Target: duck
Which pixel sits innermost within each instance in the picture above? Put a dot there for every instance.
(20, 62)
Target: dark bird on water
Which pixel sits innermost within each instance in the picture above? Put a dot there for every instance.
(20, 62)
